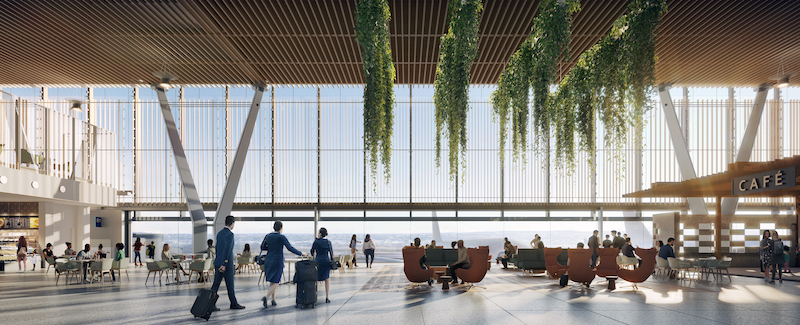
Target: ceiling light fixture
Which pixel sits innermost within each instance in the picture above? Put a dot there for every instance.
(76, 105)
(782, 77)
(165, 77)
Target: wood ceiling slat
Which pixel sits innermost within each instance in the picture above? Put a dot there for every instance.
(735, 42)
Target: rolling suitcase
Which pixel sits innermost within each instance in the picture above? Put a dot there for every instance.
(206, 300)
(305, 278)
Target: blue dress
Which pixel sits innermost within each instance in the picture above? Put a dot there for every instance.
(273, 265)
(324, 255)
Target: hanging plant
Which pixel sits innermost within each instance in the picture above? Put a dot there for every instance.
(533, 64)
(459, 47)
(552, 35)
(511, 98)
(372, 33)
(611, 81)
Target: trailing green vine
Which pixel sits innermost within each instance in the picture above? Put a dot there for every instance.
(611, 81)
(459, 47)
(372, 33)
(535, 65)
(552, 35)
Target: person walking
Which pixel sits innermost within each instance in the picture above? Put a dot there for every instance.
(22, 254)
(151, 250)
(274, 243)
(353, 249)
(594, 243)
(223, 263)
(369, 250)
(765, 252)
(777, 257)
(322, 250)
(137, 252)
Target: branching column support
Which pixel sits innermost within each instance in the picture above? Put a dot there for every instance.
(729, 204)
(696, 205)
(237, 165)
(200, 231)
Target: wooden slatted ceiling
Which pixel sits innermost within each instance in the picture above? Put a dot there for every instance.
(702, 43)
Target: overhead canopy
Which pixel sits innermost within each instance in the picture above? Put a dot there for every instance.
(720, 185)
(701, 43)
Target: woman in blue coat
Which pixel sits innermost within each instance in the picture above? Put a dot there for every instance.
(273, 265)
(322, 249)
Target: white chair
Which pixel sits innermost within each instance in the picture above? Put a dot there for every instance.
(103, 267)
(680, 267)
(663, 267)
(119, 266)
(201, 268)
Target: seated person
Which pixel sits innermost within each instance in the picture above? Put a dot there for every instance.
(48, 251)
(432, 245)
(453, 245)
(100, 253)
(628, 250)
(246, 251)
(461, 263)
(424, 258)
(120, 255)
(580, 245)
(69, 250)
(508, 253)
(167, 256)
(84, 254)
(666, 251)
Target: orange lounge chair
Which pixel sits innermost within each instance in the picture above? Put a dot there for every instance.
(551, 262)
(608, 262)
(579, 269)
(415, 273)
(641, 273)
(477, 268)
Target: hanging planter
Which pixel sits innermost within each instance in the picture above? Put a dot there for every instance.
(372, 33)
(459, 47)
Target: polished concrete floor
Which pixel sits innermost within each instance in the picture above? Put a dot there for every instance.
(381, 295)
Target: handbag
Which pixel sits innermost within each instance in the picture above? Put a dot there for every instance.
(334, 263)
(262, 258)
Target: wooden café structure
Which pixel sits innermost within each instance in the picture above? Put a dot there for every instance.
(774, 179)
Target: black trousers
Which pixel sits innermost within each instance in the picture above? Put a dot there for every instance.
(228, 275)
(369, 253)
(777, 267)
(504, 260)
(422, 262)
(452, 269)
(594, 258)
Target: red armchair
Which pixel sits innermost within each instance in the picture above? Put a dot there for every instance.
(641, 273)
(414, 273)
(608, 262)
(551, 262)
(578, 269)
(477, 267)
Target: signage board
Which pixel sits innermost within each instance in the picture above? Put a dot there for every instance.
(766, 181)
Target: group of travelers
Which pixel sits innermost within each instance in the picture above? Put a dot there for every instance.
(462, 262)
(774, 256)
(368, 247)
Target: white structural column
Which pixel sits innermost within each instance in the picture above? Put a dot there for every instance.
(235, 171)
(200, 230)
(729, 204)
(697, 205)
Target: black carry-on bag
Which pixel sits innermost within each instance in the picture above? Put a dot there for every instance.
(206, 300)
(305, 278)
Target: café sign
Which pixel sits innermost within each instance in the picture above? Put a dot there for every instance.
(766, 181)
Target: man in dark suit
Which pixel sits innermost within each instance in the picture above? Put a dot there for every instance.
(223, 263)
(617, 240)
(594, 243)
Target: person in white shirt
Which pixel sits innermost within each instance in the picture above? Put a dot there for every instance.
(369, 250)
